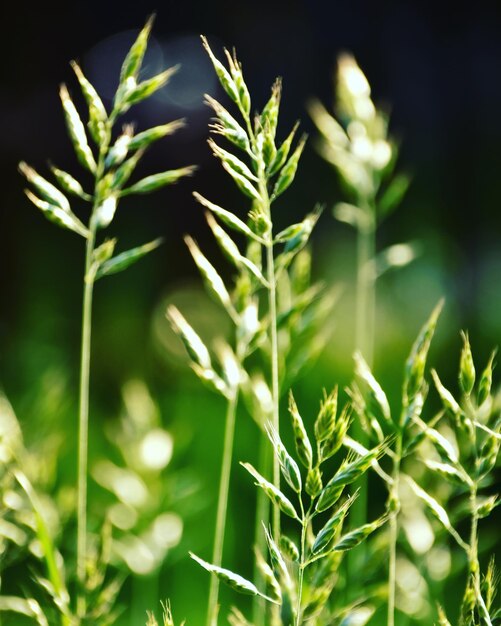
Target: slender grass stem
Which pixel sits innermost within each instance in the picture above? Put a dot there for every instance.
(302, 563)
(83, 425)
(393, 523)
(222, 506)
(262, 517)
(364, 343)
(83, 413)
(272, 300)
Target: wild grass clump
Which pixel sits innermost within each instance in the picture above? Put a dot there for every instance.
(322, 557)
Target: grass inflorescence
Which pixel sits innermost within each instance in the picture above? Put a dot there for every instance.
(322, 556)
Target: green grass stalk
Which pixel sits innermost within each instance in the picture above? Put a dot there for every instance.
(83, 425)
(222, 507)
(83, 411)
(394, 500)
(262, 517)
(364, 343)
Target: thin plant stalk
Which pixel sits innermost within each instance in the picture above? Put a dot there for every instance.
(366, 290)
(393, 535)
(302, 564)
(83, 413)
(83, 426)
(222, 506)
(364, 343)
(262, 517)
(272, 300)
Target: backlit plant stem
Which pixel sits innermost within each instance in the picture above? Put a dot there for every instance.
(83, 424)
(364, 343)
(83, 413)
(302, 562)
(222, 506)
(262, 517)
(393, 523)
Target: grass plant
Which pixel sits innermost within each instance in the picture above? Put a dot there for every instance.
(110, 162)
(311, 507)
(356, 142)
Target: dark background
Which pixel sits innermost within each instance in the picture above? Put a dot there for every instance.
(437, 69)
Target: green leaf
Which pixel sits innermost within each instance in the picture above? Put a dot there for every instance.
(437, 509)
(416, 362)
(229, 219)
(195, 347)
(156, 181)
(76, 131)
(232, 161)
(213, 281)
(235, 581)
(242, 182)
(393, 195)
(377, 394)
(125, 259)
(134, 59)
(227, 82)
(23, 606)
(283, 152)
(122, 174)
(97, 112)
(49, 551)
(355, 537)
(147, 137)
(288, 172)
(227, 126)
(146, 89)
(329, 530)
(56, 215)
(69, 184)
(398, 255)
(350, 214)
(466, 367)
(46, 189)
(274, 494)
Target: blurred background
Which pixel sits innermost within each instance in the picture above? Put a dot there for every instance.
(437, 73)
